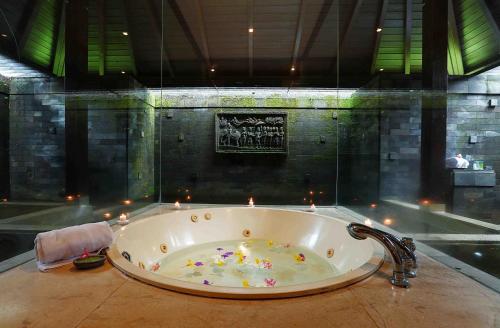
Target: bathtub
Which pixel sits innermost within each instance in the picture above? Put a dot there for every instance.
(140, 247)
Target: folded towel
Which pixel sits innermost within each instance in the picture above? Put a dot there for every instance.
(69, 243)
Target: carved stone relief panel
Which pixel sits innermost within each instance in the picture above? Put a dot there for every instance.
(251, 132)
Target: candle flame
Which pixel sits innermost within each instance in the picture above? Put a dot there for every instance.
(107, 215)
(368, 222)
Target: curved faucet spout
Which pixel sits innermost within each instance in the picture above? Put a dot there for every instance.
(404, 260)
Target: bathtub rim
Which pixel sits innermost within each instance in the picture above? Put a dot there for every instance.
(364, 271)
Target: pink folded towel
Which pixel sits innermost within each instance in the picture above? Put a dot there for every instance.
(68, 243)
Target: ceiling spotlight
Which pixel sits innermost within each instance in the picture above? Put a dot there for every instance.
(212, 70)
(379, 29)
(3, 35)
(125, 33)
(123, 72)
(381, 69)
(250, 30)
(293, 68)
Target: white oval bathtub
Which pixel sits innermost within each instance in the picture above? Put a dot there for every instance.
(140, 247)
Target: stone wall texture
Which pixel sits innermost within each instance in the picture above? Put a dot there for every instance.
(470, 116)
(121, 157)
(36, 140)
(190, 166)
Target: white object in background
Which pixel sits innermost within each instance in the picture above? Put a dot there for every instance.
(457, 162)
(250, 202)
(177, 205)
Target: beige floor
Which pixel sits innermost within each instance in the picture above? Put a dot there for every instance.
(104, 297)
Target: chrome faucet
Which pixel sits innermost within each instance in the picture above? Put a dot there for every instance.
(401, 251)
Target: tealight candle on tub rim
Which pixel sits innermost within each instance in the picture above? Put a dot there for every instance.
(123, 219)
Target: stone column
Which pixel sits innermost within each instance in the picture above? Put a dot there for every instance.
(76, 117)
(434, 103)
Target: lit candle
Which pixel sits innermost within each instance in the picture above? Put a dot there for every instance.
(69, 198)
(107, 216)
(250, 202)
(4, 200)
(123, 219)
(127, 202)
(373, 205)
(387, 221)
(368, 222)
(177, 205)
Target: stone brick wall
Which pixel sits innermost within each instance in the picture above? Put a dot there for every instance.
(192, 168)
(4, 146)
(399, 136)
(469, 115)
(36, 140)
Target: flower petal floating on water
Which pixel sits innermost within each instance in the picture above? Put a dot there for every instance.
(270, 243)
(300, 257)
(227, 254)
(241, 259)
(245, 283)
(155, 267)
(270, 282)
(190, 263)
(206, 282)
(198, 263)
(267, 264)
(220, 249)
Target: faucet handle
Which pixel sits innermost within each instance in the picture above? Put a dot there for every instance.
(409, 265)
(408, 242)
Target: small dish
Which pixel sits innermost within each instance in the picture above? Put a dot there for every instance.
(89, 262)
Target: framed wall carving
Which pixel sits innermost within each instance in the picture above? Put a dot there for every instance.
(251, 132)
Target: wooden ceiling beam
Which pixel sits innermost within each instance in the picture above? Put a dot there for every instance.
(454, 44)
(378, 35)
(408, 29)
(30, 20)
(157, 26)
(345, 33)
(298, 35)
(101, 36)
(204, 39)
(325, 9)
(187, 31)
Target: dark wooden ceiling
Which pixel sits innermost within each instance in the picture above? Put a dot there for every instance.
(182, 41)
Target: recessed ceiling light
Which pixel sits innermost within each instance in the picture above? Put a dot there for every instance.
(379, 29)
(478, 254)
(381, 69)
(293, 68)
(125, 33)
(123, 72)
(3, 35)
(250, 30)
(212, 69)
